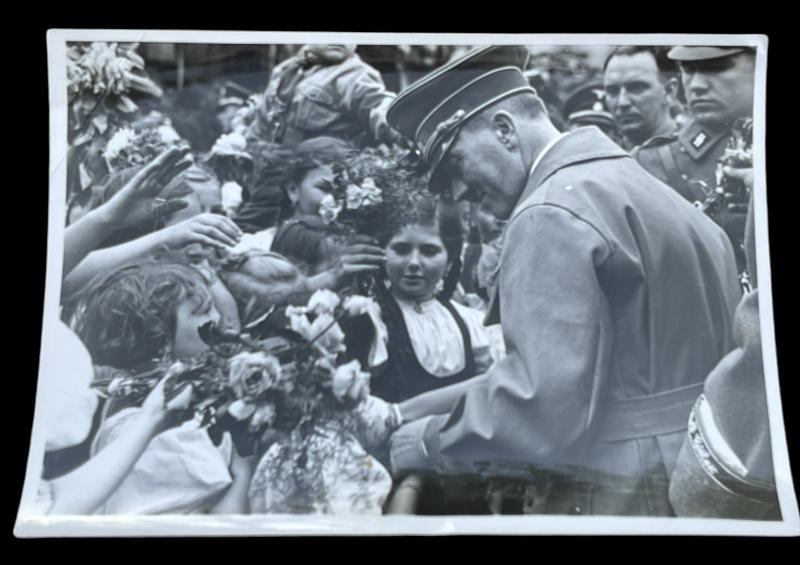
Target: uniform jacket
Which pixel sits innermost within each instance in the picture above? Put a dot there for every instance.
(613, 294)
(333, 100)
(686, 161)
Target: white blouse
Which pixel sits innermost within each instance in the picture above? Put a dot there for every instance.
(180, 472)
(437, 341)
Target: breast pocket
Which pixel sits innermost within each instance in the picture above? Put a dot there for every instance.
(315, 108)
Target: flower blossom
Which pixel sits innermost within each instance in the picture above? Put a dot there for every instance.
(120, 141)
(250, 374)
(329, 209)
(323, 301)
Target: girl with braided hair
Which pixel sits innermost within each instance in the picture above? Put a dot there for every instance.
(431, 340)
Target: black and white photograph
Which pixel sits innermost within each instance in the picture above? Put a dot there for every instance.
(407, 284)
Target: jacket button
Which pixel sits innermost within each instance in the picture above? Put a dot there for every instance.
(575, 510)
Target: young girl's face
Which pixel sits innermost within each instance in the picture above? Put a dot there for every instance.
(193, 312)
(312, 189)
(415, 262)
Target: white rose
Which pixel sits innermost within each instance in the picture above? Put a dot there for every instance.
(323, 301)
(231, 195)
(371, 194)
(299, 323)
(355, 196)
(229, 144)
(356, 304)
(349, 381)
(119, 141)
(329, 336)
(329, 209)
(240, 410)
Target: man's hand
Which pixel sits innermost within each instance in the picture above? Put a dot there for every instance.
(379, 418)
(137, 202)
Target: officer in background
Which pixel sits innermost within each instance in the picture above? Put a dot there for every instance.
(641, 87)
(232, 98)
(586, 106)
(719, 87)
(323, 90)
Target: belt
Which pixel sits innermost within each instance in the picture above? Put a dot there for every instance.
(646, 416)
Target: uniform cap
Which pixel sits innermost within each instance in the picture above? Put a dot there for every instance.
(431, 111)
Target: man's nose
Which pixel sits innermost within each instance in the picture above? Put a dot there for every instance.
(623, 99)
(696, 83)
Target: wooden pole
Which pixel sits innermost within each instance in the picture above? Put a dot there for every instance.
(180, 55)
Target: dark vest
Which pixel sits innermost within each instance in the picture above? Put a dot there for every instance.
(402, 376)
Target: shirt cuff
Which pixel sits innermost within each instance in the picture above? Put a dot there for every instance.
(430, 439)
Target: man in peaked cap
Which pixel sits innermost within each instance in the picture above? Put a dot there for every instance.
(586, 106)
(719, 86)
(615, 297)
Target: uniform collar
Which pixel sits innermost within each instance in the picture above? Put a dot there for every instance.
(697, 140)
(582, 144)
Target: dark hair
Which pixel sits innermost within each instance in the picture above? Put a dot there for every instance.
(667, 68)
(305, 241)
(428, 211)
(259, 280)
(665, 65)
(447, 221)
(315, 152)
(127, 318)
(284, 168)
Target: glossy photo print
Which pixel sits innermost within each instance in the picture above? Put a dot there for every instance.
(338, 284)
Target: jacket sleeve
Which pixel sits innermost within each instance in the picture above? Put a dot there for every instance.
(541, 398)
(361, 90)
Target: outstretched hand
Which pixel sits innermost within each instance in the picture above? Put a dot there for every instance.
(206, 229)
(358, 257)
(137, 201)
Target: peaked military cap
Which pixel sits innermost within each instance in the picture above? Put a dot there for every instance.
(431, 111)
(696, 53)
(586, 106)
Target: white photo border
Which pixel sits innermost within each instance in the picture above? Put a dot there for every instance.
(30, 524)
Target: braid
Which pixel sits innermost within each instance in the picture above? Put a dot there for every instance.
(451, 280)
(391, 315)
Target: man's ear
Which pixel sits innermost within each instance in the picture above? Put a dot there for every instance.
(505, 129)
(671, 90)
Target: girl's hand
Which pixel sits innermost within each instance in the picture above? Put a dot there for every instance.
(157, 408)
(136, 203)
(206, 229)
(356, 258)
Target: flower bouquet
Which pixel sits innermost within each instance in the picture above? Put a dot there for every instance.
(293, 401)
(368, 183)
(102, 78)
(135, 147)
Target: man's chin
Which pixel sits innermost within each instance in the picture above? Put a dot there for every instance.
(710, 118)
(632, 129)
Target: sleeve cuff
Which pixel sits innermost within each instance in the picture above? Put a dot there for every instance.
(430, 444)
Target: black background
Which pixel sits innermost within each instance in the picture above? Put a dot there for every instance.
(25, 196)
